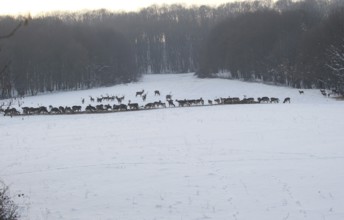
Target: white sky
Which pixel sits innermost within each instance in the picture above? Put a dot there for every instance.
(35, 7)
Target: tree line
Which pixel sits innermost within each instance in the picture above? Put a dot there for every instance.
(298, 44)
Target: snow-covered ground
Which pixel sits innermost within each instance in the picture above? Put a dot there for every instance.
(264, 161)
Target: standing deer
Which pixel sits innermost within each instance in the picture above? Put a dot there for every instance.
(119, 99)
(144, 96)
(140, 93)
(286, 100)
(168, 97)
(170, 103)
(156, 92)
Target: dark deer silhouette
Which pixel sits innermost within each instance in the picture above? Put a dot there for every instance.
(133, 106)
(264, 99)
(168, 97)
(90, 108)
(76, 108)
(286, 100)
(170, 103)
(274, 100)
(69, 110)
(140, 93)
(301, 92)
(156, 92)
(119, 99)
(54, 110)
(11, 111)
(144, 96)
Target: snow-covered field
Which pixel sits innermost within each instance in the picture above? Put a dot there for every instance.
(263, 161)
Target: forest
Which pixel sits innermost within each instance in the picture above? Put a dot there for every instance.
(292, 43)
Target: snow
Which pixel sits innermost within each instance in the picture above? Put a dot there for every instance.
(261, 161)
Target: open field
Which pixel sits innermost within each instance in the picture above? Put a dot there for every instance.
(266, 161)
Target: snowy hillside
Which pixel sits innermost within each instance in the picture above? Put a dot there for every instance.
(263, 161)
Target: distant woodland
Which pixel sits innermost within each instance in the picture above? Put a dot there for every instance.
(293, 43)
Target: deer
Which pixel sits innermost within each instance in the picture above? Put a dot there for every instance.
(301, 92)
(119, 99)
(168, 97)
(286, 100)
(210, 102)
(76, 108)
(90, 108)
(91, 99)
(100, 107)
(120, 107)
(140, 93)
(144, 96)
(54, 110)
(170, 103)
(157, 92)
(133, 106)
(264, 99)
(83, 101)
(107, 107)
(218, 101)
(11, 111)
(42, 109)
(149, 105)
(62, 109)
(274, 100)
(69, 110)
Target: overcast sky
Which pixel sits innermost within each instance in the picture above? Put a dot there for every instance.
(37, 6)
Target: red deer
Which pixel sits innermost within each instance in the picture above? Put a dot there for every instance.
(286, 100)
(181, 103)
(133, 106)
(210, 102)
(140, 93)
(11, 111)
(156, 92)
(119, 99)
(100, 107)
(76, 108)
(69, 110)
(248, 100)
(90, 108)
(107, 107)
(120, 107)
(91, 99)
(274, 100)
(301, 92)
(168, 97)
(123, 107)
(54, 110)
(144, 96)
(62, 109)
(264, 99)
(149, 105)
(170, 103)
(43, 110)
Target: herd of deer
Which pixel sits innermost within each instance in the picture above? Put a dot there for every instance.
(133, 106)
